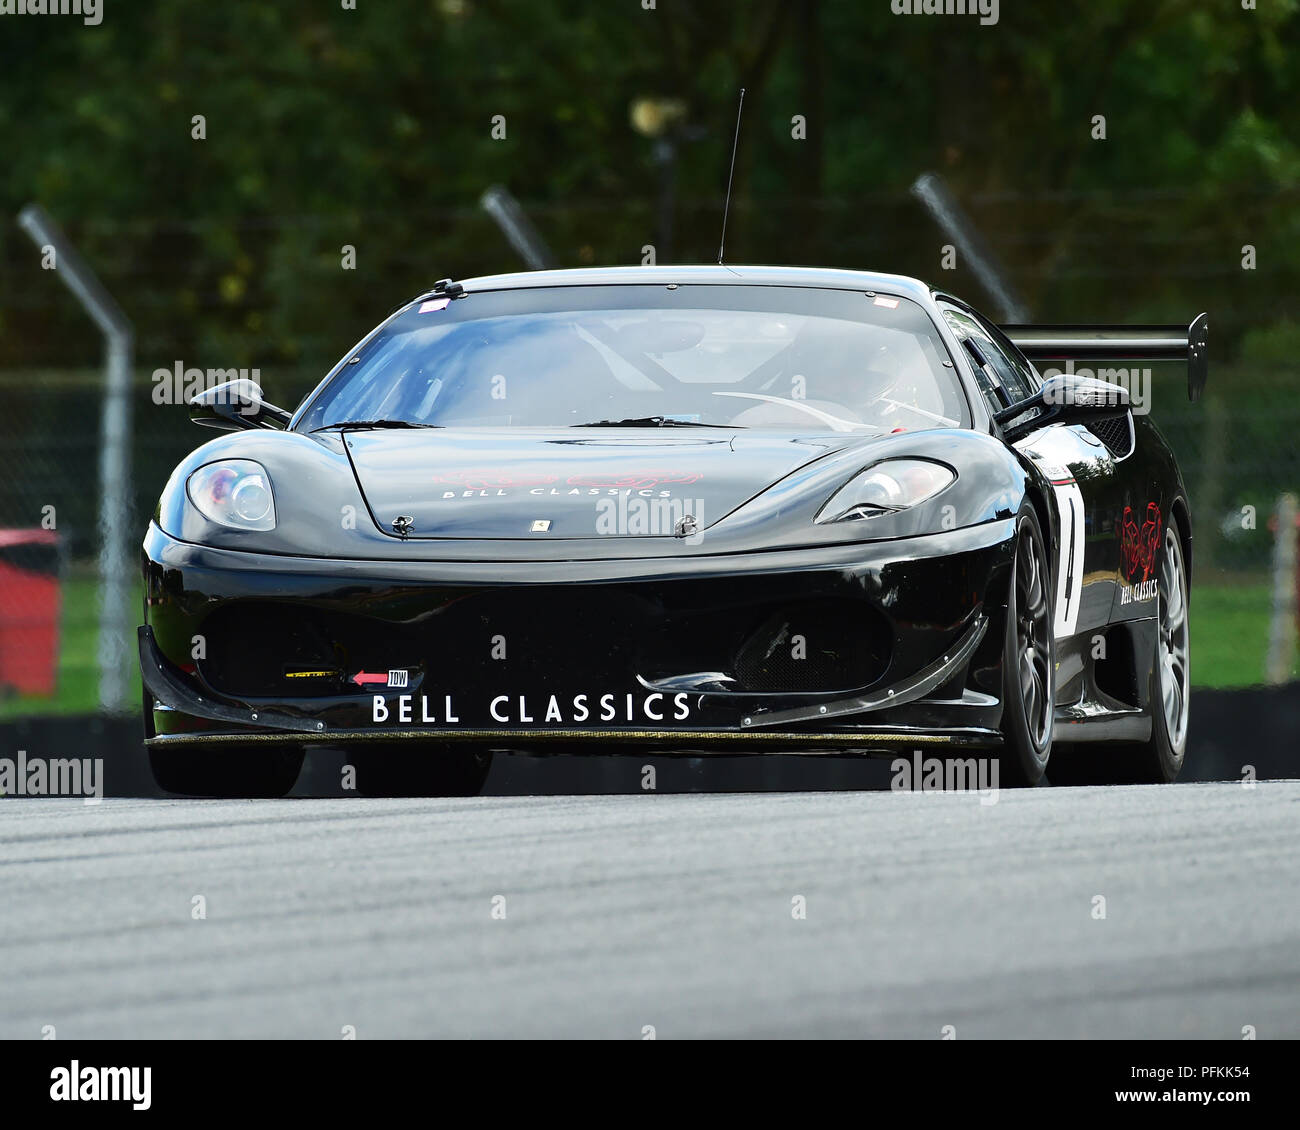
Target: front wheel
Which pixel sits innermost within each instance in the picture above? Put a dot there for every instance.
(1028, 661)
(258, 771)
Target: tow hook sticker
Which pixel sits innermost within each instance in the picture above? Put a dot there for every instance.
(394, 678)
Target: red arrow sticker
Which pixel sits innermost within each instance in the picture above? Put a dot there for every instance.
(396, 677)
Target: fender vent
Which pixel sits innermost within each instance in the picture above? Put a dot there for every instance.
(1116, 673)
(1116, 434)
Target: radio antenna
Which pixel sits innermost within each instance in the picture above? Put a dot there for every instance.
(726, 207)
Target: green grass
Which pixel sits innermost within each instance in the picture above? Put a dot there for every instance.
(1230, 627)
(1229, 645)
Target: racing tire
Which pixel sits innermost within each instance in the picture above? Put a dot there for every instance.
(1028, 661)
(232, 772)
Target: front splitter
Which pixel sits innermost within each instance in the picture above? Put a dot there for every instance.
(721, 740)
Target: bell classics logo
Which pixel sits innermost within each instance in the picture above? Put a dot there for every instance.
(543, 709)
(1138, 548)
(492, 484)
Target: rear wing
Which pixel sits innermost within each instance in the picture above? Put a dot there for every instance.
(1106, 343)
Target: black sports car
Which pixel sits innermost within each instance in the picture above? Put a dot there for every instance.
(726, 509)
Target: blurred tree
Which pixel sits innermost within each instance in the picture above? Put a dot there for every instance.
(374, 128)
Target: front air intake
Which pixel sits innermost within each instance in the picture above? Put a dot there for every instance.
(824, 646)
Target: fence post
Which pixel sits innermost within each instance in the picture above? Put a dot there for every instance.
(1282, 633)
(931, 191)
(115, 572)
(510, 217)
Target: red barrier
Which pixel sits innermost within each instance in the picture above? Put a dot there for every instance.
(29, 611)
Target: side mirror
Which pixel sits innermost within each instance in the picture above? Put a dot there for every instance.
(235, 405)
(1066, 399)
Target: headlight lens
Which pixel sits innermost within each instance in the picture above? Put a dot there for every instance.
(234, 493)
(892, 485)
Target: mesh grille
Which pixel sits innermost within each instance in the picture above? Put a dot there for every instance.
(571, 638)
(1114, 434)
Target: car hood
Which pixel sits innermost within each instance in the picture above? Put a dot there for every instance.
(567, 483)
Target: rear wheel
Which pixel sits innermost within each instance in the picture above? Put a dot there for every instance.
(397, 770)
(231, 772)
(1028, 661)
(1161, 759)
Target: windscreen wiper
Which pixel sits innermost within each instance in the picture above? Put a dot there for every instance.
(376, 424)
(651, 422)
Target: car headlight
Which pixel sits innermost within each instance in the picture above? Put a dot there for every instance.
(234, 493)
(892, 485)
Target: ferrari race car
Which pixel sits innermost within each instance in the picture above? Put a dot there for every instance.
(704, 509)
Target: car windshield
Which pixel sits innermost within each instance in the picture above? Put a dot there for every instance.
(791, 358)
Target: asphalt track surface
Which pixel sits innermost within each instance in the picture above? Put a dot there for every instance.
(673, 911)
